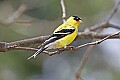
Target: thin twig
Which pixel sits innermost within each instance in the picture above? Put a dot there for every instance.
(99, 41)
(83, 61)
(63, 10)
(114, 26)
(14, 17)
(25, 48)
(106, 23)
(114, 10)
(11, 19)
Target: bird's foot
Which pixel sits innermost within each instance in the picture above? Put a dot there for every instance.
(58, 51)
(72, 48)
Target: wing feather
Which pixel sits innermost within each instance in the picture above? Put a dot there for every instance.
(57, 35)
(52, 38)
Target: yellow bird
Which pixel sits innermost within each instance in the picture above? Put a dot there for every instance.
(62, 36)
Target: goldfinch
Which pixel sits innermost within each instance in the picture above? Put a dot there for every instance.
(62, 36)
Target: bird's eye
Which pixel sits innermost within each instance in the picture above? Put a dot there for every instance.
(77, 18)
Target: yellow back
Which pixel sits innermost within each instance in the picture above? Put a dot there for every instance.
(69, 24)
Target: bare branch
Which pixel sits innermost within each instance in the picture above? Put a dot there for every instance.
(83, 61)
(114, 10)
(28, 42)
(106, 23)
(63, 10)
(16, 14)
(4, 46)
(98, 26)
(92, 35)
(13, 18)
(114, 26)
(24, 48)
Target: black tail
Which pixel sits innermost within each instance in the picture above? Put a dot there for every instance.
(37, 53)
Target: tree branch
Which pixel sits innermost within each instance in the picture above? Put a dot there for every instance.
(106, 23)
(13, 18)
(63, 10)
(83, 61)
(4, 46)
(114, 10)
(102, 25)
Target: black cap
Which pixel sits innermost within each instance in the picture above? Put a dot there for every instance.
(77, 18)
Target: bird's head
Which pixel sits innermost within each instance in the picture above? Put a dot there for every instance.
(75, 20)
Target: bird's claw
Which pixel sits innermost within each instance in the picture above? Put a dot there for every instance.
(72, 48)
(58, 51)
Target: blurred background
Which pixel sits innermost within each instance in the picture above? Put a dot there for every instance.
(103, 64)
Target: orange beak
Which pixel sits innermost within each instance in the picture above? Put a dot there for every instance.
(80, 21)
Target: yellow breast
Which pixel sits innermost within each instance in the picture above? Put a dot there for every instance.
(66, 40)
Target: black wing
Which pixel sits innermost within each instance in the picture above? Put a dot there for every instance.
(65, 31)
(57, 35)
